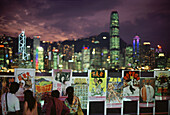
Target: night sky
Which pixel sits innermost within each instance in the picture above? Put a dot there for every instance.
(59, 20)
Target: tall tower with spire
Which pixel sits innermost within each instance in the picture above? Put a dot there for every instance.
(22, 46)
(136, 51)
(114, 40)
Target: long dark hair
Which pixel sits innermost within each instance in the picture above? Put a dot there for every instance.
(28, 96)
(70, 93)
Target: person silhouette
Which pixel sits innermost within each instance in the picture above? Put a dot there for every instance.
(9, 102)
(72, 102)
(30, 104)
(58, 105)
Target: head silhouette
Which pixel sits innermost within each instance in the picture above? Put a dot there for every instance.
(70, 91)
(14, 87)
(55, 93)
(28, 97)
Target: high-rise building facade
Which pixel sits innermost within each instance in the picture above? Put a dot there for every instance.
(85, 58)
(104, 59)
(160, 59)
(36, 44)
(114, 40)
(40, 61)
(146, 54)
(129, 56)
(22, 46)
(6, 51)
(136, 51)
(78, 62)
(96, 58)
(2, 56)
(152, 57)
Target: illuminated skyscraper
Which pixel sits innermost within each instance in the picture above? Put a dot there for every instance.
(96, 58)
(6, 51)
(22, 45)
(129, 56)
(146, 54)
(136, 51)
(85, 58)
(104, 59)
(40, 59)
(114, 40)
(36, 42)
(78, 61)
(160, 59)
(2, 56)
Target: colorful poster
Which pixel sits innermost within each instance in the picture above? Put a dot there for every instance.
(97, 85)
(162, 85)
(43, 86)
(147, 93)
(25, 77)
(80, 85)
(62, 78)
(131, 85)
(114, 92)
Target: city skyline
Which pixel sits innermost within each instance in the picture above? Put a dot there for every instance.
(62, 20)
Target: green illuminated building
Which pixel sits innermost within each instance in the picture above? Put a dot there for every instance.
(36, 44)
(2, 56)
(129, 56)
(55, 60)
(104, 59)
(114, 40)
(40, 58)
(85, 58)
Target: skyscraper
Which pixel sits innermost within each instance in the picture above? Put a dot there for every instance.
(22, 45)
(129, 56)
(136, 51)
(146, 54)
(85, 58)
(114, 40)
(40, 60)
(2, 56)
(36, 42)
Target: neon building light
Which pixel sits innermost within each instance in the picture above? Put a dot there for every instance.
(36, 44)
(136, 50)
(36, 59)
(85, 48)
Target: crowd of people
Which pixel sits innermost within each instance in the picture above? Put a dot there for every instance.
(11, 105)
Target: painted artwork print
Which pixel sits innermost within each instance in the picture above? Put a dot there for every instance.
(43, 86)
(62, 78)
(131, 85)
(97, 84)
(147, 93)
(80, 85)
(25, 77)
(114, 92)
(162, 84)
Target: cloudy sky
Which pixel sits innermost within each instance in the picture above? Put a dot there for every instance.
(59, 20)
